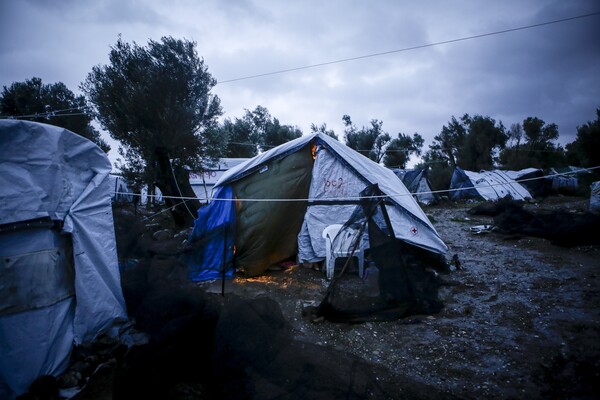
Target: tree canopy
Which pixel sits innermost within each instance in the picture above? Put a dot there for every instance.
(52, 104)
(399, 149)
(483, 138)
(369, 142)
(156, 101)
(267, 130)
(323, 129)
(584, 151)
(256, 131)
(467, 142)
(537, 149)
(447, 143)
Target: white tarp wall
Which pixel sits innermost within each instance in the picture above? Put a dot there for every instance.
(495, 185)
(331, 182)
(49, 172)
(335, 181)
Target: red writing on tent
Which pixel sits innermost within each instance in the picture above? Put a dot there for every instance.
(334, 185)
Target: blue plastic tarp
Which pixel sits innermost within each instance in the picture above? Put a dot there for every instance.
(213, 239)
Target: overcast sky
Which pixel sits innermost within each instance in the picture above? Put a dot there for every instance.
(551, 72)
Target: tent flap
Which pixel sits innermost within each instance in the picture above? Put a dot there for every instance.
(213, 237)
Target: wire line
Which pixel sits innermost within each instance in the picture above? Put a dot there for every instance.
(411, 48)
(393, 195)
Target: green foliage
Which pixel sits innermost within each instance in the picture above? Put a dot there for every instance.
(446, 145)
(239, 137)
(397, 152)
(323, 129)
(483, 137)
(156, 101)
(468, 142)
(584, 151)
(256, 131)
(266, 131)
(52, 104)
(155, 96)
(370, 142)
(538, 150)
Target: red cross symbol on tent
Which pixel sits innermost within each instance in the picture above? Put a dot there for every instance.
(414, 230)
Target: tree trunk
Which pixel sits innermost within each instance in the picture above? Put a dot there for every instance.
(175, 182)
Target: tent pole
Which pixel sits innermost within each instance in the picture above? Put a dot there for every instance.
(224, 265)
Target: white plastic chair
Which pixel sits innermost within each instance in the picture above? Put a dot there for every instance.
(343, 248)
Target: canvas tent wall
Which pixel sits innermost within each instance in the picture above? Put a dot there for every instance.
(485, 185)
(60, 283)
(286, 196)
(416, 182)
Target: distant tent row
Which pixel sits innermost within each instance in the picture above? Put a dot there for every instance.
(122, 193)
(529, 183)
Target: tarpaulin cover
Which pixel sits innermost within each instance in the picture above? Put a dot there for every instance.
(533, 180)
(213, 239)
(417, 183)
(486, 185)
(52, 173)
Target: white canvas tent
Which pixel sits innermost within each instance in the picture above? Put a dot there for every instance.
(59, 283)
(288, 195)
(485, 185)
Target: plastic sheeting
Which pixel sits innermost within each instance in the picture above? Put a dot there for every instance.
(417, 183)
(213, 239)
(532, 179)
(50, 172)
(331, 181)
(486, 185)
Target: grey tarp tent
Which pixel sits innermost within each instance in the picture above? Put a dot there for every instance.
(485, 185)
(288, 195)
(59, 283)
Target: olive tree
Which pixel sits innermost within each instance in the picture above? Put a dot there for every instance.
(156, 101)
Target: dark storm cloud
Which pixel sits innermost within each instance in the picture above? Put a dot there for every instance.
(550, 72)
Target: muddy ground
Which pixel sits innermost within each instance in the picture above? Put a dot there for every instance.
(521, 317)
